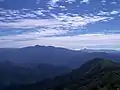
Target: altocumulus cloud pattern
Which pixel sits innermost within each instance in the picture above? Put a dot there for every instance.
(73, 24)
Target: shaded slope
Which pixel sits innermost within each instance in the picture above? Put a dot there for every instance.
(11, 73)
(90, 75)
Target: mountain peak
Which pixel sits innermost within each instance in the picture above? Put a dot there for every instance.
(96, 65)
(102, 62)
(37, 46)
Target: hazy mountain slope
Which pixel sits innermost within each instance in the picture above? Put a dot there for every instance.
(52, 55)
(15, 74)
(94, 75)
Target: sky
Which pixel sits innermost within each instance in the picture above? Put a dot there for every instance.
(72, 24)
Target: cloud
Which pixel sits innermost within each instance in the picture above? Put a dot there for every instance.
(30, 23)
(59, 21)
(113, 31)
(51, 32)
(114, 3)
(84, 1)
(103, 13)
(35, 21)
(108, 41)
(114, 12)
(59, 25)
(23, 14)
(103, 1)
(70, 1)
(52, 25)
(53, 3)
(56, 24)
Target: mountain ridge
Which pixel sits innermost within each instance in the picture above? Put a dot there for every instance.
(52, 55)
(79, 78)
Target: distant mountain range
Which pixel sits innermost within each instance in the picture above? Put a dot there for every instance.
(54, 55)
(97, 74)
(101, 50)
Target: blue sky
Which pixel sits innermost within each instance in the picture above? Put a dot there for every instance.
(73, 24)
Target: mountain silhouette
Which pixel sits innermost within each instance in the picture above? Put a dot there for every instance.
(52, 55)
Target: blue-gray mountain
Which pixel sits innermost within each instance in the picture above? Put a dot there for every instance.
(52, 55)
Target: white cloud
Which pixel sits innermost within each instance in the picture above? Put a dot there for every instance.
(71, 42)
(38, 12)
(66, 21)
(103, 13)
(51, 32)
(23, 13)
(53, 3)
(113, 3)
(50, 8)
(59, 22)
(85, 1)
(58, 25)
(63, 7)
(114, 12)
(30, 15)
(70, 1)
(103, 1)
(55, 24)
(30, 23)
